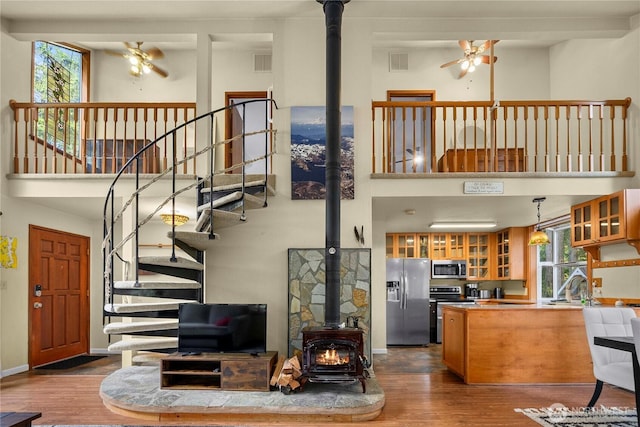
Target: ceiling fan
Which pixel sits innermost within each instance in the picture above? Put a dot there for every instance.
(473, 56)
(140, 60)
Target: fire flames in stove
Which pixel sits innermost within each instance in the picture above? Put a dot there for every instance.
(331, 357)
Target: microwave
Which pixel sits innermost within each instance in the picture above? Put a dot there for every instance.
(448, 269)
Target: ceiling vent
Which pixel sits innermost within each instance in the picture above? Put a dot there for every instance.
(398, 62)
(262, 62)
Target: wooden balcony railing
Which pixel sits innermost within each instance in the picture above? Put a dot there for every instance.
(100, 137)
(506, 136)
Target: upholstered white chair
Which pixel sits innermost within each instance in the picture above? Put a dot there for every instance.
(610, 366)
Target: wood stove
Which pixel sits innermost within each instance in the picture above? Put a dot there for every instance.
(333, 355)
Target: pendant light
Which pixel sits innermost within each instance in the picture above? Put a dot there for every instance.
(538, 237)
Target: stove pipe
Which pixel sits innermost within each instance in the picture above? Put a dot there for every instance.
(333, 21)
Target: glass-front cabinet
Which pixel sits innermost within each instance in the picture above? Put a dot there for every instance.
(407, 245)
(608, 219)
(447, 246)
(478, 256)
(511, 247)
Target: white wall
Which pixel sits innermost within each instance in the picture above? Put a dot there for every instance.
(250, 261)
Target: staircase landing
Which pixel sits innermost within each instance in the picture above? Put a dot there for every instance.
(135, 392)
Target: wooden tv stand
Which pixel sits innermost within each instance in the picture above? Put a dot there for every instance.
(225, 371)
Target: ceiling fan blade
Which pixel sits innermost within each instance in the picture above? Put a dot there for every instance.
(128, 45)
(158, 70)
(448, 64)
(486, 45)
(154, 53)
(464, 44)
(486, 58)
(462, 73)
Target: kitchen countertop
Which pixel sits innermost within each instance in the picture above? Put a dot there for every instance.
(516, 306)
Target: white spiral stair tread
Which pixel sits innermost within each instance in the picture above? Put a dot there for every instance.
(132, 284)
(235, 196)
(221, 219)
(142, 306)
(123, 328)
(233, 186)
(144, 344)
(195, 239)
(165, 261)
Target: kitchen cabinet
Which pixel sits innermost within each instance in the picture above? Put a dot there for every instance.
(453, 340)
(479, 256)
(614, 218)
(447, 246)
(511, 254)
(407, 245)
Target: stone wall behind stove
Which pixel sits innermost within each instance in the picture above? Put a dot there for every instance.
(307, 292)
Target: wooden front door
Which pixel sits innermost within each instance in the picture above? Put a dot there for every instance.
(58, 295)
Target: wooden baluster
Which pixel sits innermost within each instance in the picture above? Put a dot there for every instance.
(16, 124)
(625, 160)
(475, 138)
(591, 159)
(66, 140)
(455, 141)
(580, 156)
(525, 160)
(445, 159)
(612, 115)
(547, 159)
(464, 140)
(429, 162)
(486, 139)
(415, 144)
(185, 118)
(601, 117)
(164, 117)
(496, 158)
(557, 119)
(568, 125)
(515, 139)
(74, 157)
(536, 139)
(404, 140)
(45, 144)
(145, 118)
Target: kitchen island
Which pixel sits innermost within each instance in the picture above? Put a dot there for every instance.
(516, 344)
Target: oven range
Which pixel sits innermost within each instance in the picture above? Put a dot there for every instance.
(439, 297)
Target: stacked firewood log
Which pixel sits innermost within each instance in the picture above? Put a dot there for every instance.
(286, 374)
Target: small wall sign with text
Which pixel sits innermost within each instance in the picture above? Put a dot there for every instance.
(483, 187)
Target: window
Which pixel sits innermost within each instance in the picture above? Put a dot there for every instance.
(560, 266)
(60, 75)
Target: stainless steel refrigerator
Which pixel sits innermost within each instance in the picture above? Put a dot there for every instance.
(408, 301)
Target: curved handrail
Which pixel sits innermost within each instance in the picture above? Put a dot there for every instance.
(110, 217)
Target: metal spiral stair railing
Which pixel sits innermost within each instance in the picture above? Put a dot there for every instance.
(144, 312)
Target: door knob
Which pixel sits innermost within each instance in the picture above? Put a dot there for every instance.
(37, 305)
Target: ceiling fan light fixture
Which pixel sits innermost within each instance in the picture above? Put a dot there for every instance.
(465, 64)
(133, 60)
(146, 68)
(477, 60)
(472, 68)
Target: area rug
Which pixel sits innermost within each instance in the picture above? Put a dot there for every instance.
(71, 363)
(560, 415)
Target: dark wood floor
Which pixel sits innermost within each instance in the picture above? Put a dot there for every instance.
(418, 388)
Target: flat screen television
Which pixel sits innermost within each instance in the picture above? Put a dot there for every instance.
(222, 328)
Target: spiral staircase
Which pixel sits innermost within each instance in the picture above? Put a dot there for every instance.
(144, 312)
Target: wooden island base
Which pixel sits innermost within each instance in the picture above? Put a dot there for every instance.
(516, 344)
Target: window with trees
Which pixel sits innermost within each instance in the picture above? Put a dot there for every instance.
(560, 266)
(60, 75)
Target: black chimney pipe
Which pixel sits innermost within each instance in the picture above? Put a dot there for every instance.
(333, 21)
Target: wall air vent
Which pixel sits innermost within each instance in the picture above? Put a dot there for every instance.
(262, 62)
(398, 62)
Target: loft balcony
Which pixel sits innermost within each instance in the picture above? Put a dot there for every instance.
(431, 138)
